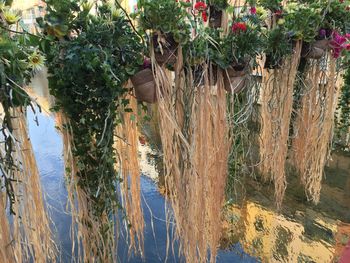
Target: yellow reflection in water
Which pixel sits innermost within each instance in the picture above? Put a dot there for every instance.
(272, 237)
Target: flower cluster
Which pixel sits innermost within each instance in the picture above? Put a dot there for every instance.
(239, 27)
(201, 7)
(339, 43)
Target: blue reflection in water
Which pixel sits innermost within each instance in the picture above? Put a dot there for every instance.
(48, 147)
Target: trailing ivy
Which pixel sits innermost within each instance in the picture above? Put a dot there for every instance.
(90, 61)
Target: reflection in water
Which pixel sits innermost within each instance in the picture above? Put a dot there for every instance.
(47, 145)
(301, 232)
(273, 237)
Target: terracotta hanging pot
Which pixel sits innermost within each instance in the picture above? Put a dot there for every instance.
(316, 50)
(215, 17)
(322, 44)
(165, 48)
(235, 78)
(144, 85)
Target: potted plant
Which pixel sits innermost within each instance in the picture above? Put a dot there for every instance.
(237, 49)
(278, 46)
(199, 51)
(144, 85)
(335, 26)
(336, 16)
(168, 24)
(303, 20)
(216, 9)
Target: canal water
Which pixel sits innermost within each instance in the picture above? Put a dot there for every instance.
(48, 147)
(253, 231)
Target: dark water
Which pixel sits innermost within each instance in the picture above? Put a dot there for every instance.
(47, 145)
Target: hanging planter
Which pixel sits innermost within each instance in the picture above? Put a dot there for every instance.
(235, 78)
(215, 17)
(315, 50)
(144, 85)
(164, 48)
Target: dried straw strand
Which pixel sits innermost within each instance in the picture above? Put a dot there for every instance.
(314, 127)
(276, 110)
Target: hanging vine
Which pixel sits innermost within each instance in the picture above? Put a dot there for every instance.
(90, 59)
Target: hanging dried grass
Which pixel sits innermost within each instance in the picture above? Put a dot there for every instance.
(314, 126)
(93, 237)
(128, 165)
(193, 129)
(6, 249)
(276, 109)
(31, 225)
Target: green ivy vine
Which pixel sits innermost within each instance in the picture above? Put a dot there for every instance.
(90, 58)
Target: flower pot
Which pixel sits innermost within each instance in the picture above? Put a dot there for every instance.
(215, 17)
(198, 75)
(164, 49)
(144, 85)
(235, 80)
(312, 52)
(322, 44)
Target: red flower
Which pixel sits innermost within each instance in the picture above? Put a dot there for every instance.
(348, 47)
(204, 16)
(200, 6)
(239, 26)
(347, 8)
(341, 1)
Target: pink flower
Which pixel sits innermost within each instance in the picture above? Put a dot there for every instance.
(337, 44)
(238, 27)
(253, 10)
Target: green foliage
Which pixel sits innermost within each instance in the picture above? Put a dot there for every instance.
(203, 48)
(278, 45)
(88, 71)
(303, 20)
(219, 4)
(272, 5)
(240, 46)
(344, 105)
(166, 17)
(337, 15)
